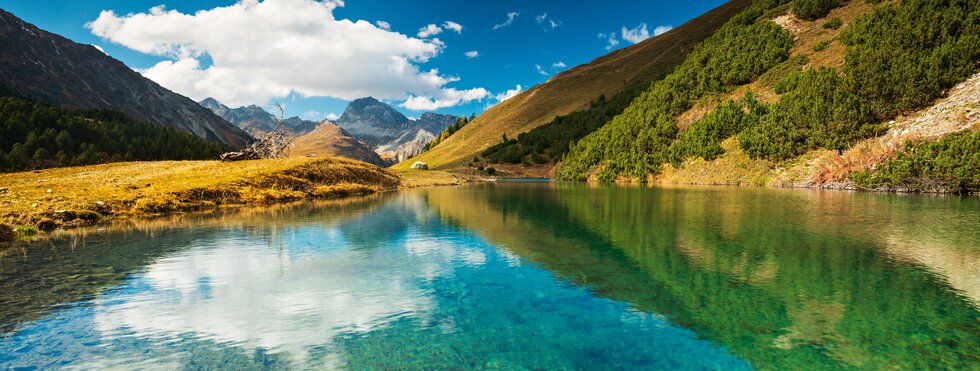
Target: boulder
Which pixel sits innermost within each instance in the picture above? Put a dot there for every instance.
(419, 165)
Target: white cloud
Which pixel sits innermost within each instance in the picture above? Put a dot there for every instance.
(543, 19)
(265, 50)
(510, 20)
(558, 64)
(383, 25)
(640, 32)
(332, 116)
(472, 54)
(99, 48)
(448, 98)
(541, 70)
(312, 115)
(450, 25)
(611, 41)
(635, 34)
(429, 30)
(508, 94)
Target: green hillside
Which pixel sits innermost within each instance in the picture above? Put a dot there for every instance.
(898, 57)
(570, 92)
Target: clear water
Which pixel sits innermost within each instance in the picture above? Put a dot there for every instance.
(512, 275)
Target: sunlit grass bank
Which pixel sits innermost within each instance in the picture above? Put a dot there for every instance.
(66, 197)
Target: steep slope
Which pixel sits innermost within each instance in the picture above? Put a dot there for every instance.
(255, 120)
(406, 146)
(330, 139)
(825, 92)
(573, 89)
(388, 131)
(52, 69)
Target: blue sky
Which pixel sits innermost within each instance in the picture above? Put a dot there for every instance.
(328, 63)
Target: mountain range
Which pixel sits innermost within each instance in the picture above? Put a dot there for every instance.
(255, 120)
(42, 66)
(369, 130)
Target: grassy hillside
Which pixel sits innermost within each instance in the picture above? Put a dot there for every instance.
(64, 197)
(572, 90)
(897, 57)
(328, 139)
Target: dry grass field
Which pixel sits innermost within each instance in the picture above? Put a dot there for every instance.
(67, 197)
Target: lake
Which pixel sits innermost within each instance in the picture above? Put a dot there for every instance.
(511, 275)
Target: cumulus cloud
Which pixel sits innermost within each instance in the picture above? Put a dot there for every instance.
(447, 98)
(383, 25)
(510, 20)
(509, 93)
(332, 116)
(611, 40)
(264, 50)
(429, 30)
(472, 54)
(636, 34)
(541, 70)
(558, 64)
(450, 25)
(640, 32)
(541, 18)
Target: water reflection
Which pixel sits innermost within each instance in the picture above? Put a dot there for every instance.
(512, 276)
(387, 282)
(786, 279)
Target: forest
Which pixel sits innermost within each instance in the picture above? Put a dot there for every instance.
(37, 136)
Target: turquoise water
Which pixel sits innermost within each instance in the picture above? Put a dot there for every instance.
(512, 275)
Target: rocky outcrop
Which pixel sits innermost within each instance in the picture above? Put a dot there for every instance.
(383, 128)
(420, 166)
(403, 147)
(49, 68)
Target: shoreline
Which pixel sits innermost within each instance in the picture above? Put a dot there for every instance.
(285, 181)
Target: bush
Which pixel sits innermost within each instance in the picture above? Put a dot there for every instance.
(821, 46)
(490, 170)
(814, 9)
(951, 164)
(833, 23)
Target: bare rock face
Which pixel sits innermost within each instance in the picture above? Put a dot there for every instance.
(49, 68)
(383, 128)
(406, 146)
(419, 165)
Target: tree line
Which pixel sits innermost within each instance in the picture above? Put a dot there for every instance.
(37, 135)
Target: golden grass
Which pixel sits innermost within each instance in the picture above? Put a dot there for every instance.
(733, 167)
(411, 178)
(73, 196)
